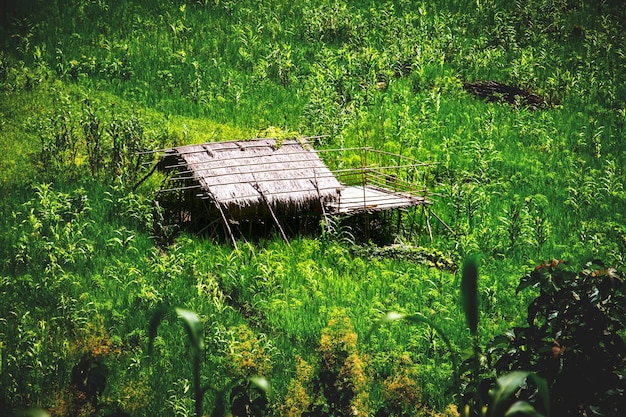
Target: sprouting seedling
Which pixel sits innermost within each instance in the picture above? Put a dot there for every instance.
(469, 299)
(506, 386)
(193, 328)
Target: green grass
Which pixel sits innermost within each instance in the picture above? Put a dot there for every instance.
(516, 185)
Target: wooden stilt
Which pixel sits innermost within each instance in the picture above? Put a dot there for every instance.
(319, 197)
(224, 220)
(141, 181)
(442, 222)
(412, 222)
(227, 225)
(211, 226)
(269, 206)
(399, 222)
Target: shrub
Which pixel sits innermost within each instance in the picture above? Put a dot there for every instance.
(490, 396)
(49, 234)
(342, 377)
(247, 354)
(299, 397)
(574, 339)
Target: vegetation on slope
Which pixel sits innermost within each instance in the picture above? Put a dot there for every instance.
(84, 85)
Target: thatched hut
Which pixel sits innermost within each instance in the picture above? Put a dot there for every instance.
(269, 181)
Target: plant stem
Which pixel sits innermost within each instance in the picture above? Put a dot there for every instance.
(196, 382)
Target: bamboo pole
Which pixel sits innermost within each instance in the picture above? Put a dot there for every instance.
(224, 219)
(154, 168)
(269, 206)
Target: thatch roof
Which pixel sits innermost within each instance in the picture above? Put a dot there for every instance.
(240, 175)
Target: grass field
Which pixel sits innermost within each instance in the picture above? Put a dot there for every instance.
(85, 85)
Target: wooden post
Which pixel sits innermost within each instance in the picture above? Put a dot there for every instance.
(267, 203)
(224, 219)
(319, 195)
(430, 231)
(414, 211)
(442, 222)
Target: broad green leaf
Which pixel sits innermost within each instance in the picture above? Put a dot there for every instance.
(387, 318)
(522, 408)
(34, 412)
(469, 292)
(219, 410)
(392, 316)
(506, 386)
(261, 383)
(157, 318)
(544, 391)
(468, 353)
(419, 318)
(528, 280)
(193, 327)
(415, 319)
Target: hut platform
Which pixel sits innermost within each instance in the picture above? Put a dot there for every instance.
(368, 198)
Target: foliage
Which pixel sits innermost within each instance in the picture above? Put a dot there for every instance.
(246, 396)
(86, 84)
(572, 342)
(423, 255)
(342, 377)
(299, 395)
(573, 338)
(111, 145)
(478, 398)
(337, 386)
(50, 237)
(403, 395)
(193, 327)
(494, 396)
(469, 292)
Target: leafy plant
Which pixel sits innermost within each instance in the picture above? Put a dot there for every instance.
(247, 397)
(418, 254)
(49, 234)
(59, 143)
(341, 381)
(482, 397)
(540, 225)
(193, 328)
(514, 224)
(486, 397)
(384, 74)
(94, 141)
(573, 339)
(332, 21)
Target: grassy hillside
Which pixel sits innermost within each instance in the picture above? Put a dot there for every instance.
(85, 85)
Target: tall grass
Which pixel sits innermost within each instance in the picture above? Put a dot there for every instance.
(515, 184)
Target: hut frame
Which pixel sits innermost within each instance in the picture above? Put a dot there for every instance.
(272, 181)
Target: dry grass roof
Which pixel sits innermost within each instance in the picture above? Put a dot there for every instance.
(240, 174)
